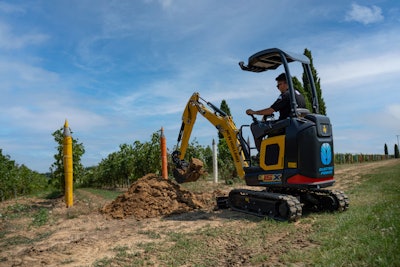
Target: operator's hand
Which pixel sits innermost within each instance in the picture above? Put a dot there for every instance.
(250, 112)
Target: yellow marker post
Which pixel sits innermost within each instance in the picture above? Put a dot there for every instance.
(68, 166)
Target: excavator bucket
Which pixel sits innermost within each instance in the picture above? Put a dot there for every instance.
(188, 172)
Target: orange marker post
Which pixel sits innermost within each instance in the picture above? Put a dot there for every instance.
(68, 165)
(164, 162)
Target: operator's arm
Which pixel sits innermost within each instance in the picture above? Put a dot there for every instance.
(281, 103)
(266, 111)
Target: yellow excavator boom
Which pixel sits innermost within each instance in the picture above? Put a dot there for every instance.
(220, 120)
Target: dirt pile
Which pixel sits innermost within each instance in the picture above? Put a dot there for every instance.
(153, 196)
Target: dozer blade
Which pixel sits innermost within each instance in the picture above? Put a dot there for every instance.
(189, 172)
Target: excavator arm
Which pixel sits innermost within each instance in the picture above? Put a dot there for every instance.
(183, 171)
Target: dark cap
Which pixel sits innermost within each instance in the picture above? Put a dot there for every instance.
(281, 77)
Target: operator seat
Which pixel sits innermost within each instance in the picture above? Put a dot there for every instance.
(302, 112)
(270, 128)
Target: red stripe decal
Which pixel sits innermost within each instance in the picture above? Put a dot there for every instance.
(300, 179)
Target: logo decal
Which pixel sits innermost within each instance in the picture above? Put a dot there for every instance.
(324, 129)
(270, 178)
(326, 154)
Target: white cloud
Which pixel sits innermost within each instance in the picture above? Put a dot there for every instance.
(364, 14)
(394, 110)
(389, 118)
(165, 3)
(48, 118)
(361, 69)
(8, 40)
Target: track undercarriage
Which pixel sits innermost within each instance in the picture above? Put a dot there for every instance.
(283, 203)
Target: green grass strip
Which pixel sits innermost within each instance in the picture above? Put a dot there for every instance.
(368, 233)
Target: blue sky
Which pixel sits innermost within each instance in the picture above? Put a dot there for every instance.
(121, 70)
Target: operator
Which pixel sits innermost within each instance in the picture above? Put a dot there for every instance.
(282, 104)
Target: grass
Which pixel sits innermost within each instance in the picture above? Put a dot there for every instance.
(16, 211)
(208, 246)
(207, 185)
(368, 233)
(41, 217)
(8, 215)
(150, 234)
(20, 240)
(106, 194)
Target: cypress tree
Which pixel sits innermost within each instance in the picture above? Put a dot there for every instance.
(225, 108)
(386, 150)
(226, 167)
(297, 85)
(322, 107)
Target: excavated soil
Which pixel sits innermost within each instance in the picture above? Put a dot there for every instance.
(153, 196)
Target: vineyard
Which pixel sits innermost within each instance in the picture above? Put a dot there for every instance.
(17, 180)
(125, 166)
(359, 158)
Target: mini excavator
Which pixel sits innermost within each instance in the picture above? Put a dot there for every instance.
(295, 164)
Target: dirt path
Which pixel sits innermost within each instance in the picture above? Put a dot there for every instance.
(348, 176)
(82, 235)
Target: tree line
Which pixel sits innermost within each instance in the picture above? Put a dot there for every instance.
(16, 180)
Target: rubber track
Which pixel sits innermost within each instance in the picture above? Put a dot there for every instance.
(294, 206)
(341, 199)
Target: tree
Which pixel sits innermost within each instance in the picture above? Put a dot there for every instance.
(322, 107)
(225, 108)
(297, 84)
(125, 166)
(57, 168)
(396, 151)
(115, 170)
(226, 166)
(195, 150)
(16, 180)
(147, 156)
(386, 150)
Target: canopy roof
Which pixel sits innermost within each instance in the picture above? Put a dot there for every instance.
(271, 59)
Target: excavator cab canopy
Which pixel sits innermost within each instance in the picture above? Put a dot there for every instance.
(271, 59)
